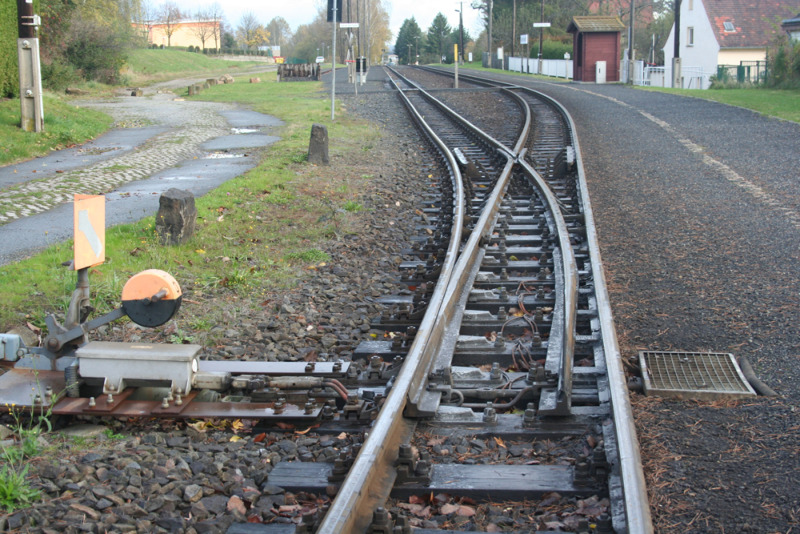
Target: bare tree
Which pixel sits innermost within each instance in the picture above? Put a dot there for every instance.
(279, 30)
(247, 30)
(170, 16)
(145, 17)
(203, 27)
(215, 15)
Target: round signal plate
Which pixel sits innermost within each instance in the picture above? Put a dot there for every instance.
(150, 298)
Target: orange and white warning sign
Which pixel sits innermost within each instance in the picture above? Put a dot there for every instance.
(89, 219)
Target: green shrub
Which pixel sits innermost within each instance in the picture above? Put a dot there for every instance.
(57, 76)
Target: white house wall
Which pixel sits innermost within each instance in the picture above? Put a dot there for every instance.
(704, 53)
(733, 56)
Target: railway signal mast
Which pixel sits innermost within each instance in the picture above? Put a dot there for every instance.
(30, 75)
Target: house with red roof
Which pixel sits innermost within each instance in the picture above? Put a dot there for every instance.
(726, 32)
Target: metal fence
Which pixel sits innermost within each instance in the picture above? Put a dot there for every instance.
(747, 72)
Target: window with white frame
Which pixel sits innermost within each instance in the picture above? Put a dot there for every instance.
(690, 36)
(729, 27)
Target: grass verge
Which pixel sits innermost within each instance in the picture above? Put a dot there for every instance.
(146, 66)
(254, 233)
(782, 104)
(64, 126)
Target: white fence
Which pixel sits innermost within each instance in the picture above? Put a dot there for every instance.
(643, 74)
(558, 68)
(691, 77)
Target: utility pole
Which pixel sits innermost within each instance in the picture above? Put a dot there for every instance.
(461, 29)
(676, 59)
(30, 73)
(409, 54)
(333, 6)
(541, 38)
(489, 36)
(513, 26)
(630, 45)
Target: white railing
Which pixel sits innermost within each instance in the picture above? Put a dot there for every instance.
(558, 68)
(691, 77)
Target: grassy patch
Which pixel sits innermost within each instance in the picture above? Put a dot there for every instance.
(64, 126)
(783, 104)
(147, 66)
(251, 232)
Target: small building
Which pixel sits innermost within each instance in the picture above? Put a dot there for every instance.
(204, 34)
(792, 27)
(595, 47)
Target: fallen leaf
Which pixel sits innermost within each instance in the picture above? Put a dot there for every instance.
(259, 438)
(500, 442)
(466, 511)
(448, 509)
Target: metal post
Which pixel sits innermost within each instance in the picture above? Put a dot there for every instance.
(30, 74)
(455, 56)
(333, 64)
(541, 38)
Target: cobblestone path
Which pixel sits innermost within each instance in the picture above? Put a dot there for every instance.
(190, 124)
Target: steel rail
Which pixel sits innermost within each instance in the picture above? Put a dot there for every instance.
(562, 402)
(371, 476)
(637, 509)
(636, 502)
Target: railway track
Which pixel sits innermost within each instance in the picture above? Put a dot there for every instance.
(497, 384)
(524, 329)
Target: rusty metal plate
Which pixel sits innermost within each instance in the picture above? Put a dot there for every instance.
(18, 387)
(693, 375)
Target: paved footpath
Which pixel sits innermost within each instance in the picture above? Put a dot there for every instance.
(158, 141)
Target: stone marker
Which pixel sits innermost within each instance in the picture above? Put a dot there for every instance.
(137, 92)
(318, 146)
(255, 80)
(176, 216)
(226, 78)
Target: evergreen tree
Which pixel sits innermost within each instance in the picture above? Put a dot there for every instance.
(409, 34)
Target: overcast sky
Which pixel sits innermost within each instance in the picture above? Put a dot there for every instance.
(297, 12)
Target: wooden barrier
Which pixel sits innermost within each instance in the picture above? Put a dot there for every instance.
(298, 72)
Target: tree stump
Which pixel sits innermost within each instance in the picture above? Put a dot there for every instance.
(176, 217)
(318, 145)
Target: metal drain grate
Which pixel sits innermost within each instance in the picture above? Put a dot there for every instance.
(696, 375)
